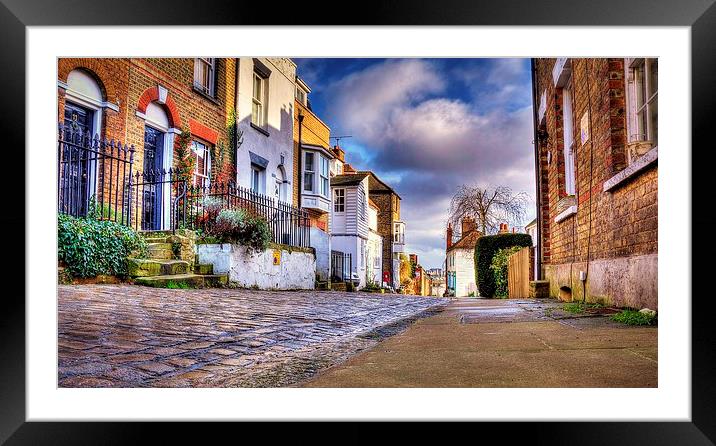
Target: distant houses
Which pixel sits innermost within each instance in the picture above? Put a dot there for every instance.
(460, 259)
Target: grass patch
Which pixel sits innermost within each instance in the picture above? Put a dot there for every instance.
(178, 285)
(578, 307)
(632, 317)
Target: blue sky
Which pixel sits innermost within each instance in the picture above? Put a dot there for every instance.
(426, 126)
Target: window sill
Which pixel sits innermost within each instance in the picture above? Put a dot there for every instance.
(259, 129)
(571, 210)
(206, 96)
(632, 170)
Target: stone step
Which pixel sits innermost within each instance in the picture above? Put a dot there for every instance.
(338, 286)
(204, 269)
(152, 267)
(184, 280)
(156, 240)
(160, 251)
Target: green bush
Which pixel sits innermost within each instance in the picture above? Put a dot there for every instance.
(499, 269)
(91, 247)
(238, 226)
(632, 317)
(485, 250)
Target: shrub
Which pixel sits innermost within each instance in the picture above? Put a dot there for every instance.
(499, 269)
(238, 226)
(91, 247)
(485, 250)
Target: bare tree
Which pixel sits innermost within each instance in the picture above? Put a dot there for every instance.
(488, 206)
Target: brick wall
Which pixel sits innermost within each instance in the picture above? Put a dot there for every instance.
(621, 222)
(132, 84)
(313, 131)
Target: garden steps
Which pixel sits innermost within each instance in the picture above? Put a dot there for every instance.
(160, 251)
(155, 267)
(187, 280)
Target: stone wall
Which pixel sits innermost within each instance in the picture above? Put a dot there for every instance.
(296, 269)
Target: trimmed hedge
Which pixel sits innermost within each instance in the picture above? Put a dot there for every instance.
(485, 250)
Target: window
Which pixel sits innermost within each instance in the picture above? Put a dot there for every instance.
(300, 95)
(309, 171)
(258, 110)
(202, 169)
(257, 174)
(324, 176)
(339, 200)
(568, 129)
(643, 105)
(204, 75)
(361, 203)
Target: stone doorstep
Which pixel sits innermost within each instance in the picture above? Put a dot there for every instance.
(193, 280)
(154, 267)
(204, 269)
(160, 251)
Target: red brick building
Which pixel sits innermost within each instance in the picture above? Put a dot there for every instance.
(596, 138)
(148, 103)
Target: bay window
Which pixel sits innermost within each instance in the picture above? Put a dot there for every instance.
(324, 176)
(309, 171)
(642, 98)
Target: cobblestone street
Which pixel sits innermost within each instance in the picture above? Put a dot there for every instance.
(131, 336)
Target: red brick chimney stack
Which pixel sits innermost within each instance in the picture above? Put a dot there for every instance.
(503, 229)
(340, 153)
(468, 224)
(449, 236)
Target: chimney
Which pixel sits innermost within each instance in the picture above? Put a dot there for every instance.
(503, 229)
(414, 258)
(347, 168)
(340, 153)
(468, 224)
(449, 236)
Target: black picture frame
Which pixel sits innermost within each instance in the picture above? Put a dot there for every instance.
(16, 15)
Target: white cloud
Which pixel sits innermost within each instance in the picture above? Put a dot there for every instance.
(433, 144)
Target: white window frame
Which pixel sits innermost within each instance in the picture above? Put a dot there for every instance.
(361, 203)
(568, 138)
(259, 101)
(301, 95)
(309, 186)
(339, 199)
(257, 173)
(205, 176)
(324, 176)
(650, 101)
(205, 67)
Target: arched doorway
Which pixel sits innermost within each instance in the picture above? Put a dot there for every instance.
(280, 184)
(157, 159)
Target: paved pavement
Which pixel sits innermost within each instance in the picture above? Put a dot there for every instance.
(132, 336)
(505, 343)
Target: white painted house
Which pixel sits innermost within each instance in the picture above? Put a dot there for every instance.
(350, 227)
(266, 88)
(374, 262)
(460, 260)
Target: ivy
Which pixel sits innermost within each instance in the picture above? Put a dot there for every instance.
(485, 250)
(90, 247)
(499, 269)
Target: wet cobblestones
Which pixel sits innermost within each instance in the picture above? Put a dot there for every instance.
(131, 336)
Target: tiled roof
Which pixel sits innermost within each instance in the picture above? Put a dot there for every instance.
(348, 180)
(467, 241)
(372, 203)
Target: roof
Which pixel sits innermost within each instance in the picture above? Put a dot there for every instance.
(532, 223)
(376, 183)
(467, 241)
(372, 204)
(348, 180)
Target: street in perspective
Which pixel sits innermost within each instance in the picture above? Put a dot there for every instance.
(342, 223)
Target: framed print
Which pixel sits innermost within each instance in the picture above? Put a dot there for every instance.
(433, 213)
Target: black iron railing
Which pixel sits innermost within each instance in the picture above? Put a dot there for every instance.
(341, 267)
(289, 224)
(91, 170)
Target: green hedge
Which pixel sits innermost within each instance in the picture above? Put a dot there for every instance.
(485, 250)
(90, 247)
(499, 267)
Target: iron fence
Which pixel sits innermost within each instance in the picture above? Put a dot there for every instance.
(341, 267)
(289, 225)
(92, 171)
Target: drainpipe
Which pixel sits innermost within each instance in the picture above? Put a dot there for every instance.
(538, 177)
(300, 158)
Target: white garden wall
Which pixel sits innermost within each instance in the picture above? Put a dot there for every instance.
(295, 270)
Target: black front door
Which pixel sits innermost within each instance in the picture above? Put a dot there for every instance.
(74, 168)
(154, 179)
